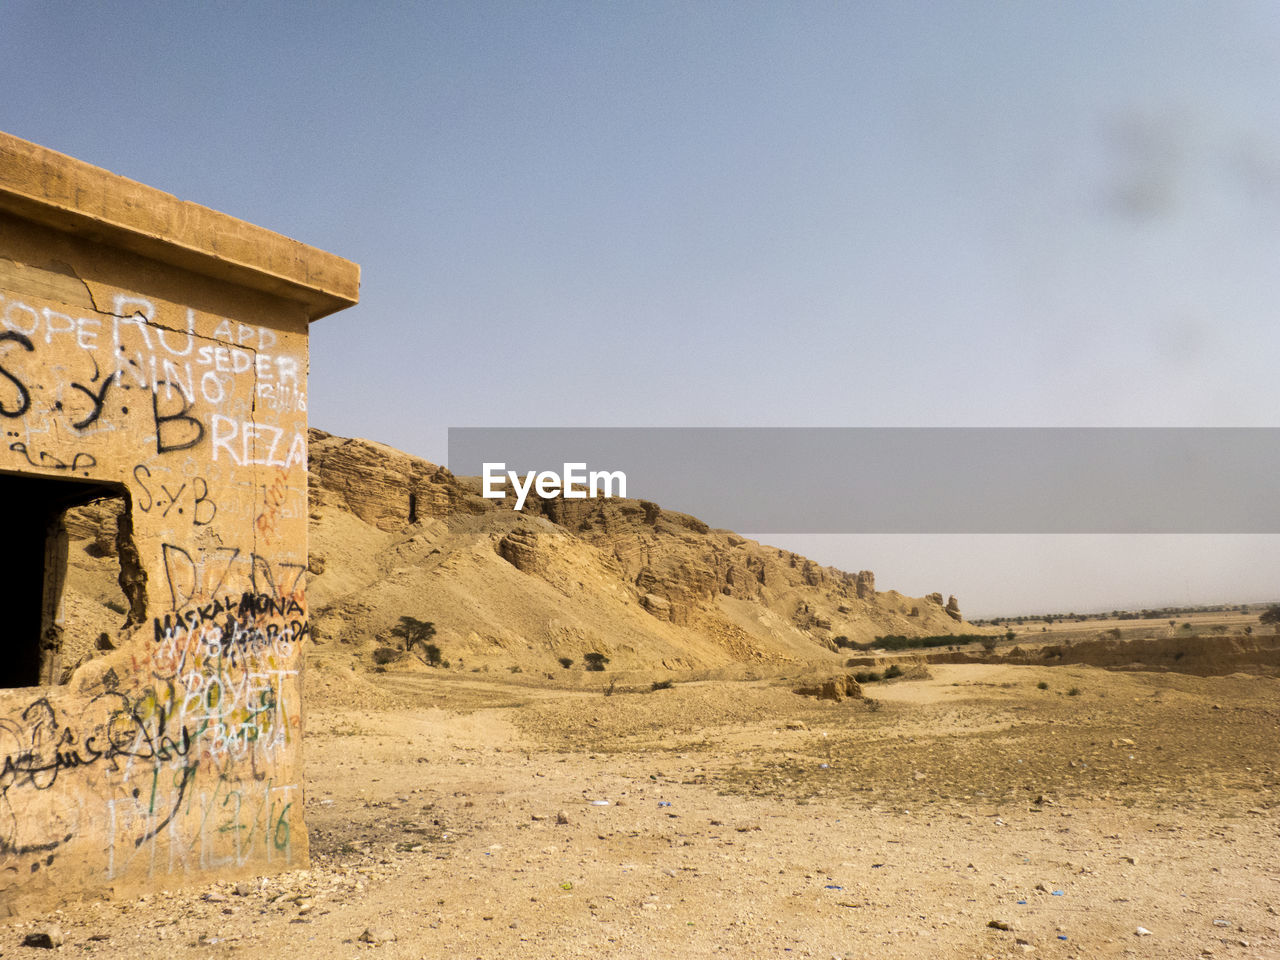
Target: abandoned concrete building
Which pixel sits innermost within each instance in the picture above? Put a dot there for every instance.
(153, 465)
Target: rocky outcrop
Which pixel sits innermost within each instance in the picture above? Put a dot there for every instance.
(571, 576)
(953, 608)
(865, 585)
(382, 486)
(836, 688)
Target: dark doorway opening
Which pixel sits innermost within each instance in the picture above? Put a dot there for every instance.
(43, 625)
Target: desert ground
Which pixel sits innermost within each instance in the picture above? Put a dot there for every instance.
(473, 815)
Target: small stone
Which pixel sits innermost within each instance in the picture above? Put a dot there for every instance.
(1142, 932)
(797, 725)
(213, 896)
(47, 939)
(999, 925)
(562, 818)
(377, 935)
(243, 889)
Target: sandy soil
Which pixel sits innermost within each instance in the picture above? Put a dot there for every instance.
(740, 819)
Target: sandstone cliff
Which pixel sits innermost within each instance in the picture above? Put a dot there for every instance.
(394, 536)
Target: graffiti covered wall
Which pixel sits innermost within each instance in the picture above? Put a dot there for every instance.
(153, 352)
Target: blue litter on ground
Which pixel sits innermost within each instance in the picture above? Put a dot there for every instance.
(1062, 936)
(1022, 903)
(664, 803)
(1059, 893)
(832, 886)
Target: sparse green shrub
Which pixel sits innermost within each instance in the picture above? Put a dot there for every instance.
(595, 661)
(867, 676)
(384, 655)
(1073, 692)
(663, 684)
(566, 662)
(515, 668)
(898, 642)
(893, 671)
(1042, 685)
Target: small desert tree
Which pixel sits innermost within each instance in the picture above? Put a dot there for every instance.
(417, 636)
(1271, 615)
(595, 661)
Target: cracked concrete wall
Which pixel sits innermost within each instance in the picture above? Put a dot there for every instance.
(177, 753)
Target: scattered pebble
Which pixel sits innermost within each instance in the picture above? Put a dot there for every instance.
(376, 935)
(48, 938)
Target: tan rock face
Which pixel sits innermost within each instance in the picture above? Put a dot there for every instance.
(866, 585)
(836, 689)
(651, 588)
(153, 362)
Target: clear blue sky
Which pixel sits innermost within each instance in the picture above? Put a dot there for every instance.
(745, 214)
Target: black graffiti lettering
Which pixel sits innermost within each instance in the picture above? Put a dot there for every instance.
(189, 429)
(19, 447)
(237, 616)
(138, 473)
(235, 552)
(173, 497)
(178, 564)
(202, 500)
(99, 399)
(295, 585)
(49, 462)
(49, 746)
(24, 395)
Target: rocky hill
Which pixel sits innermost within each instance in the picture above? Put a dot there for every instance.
(394, 536)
